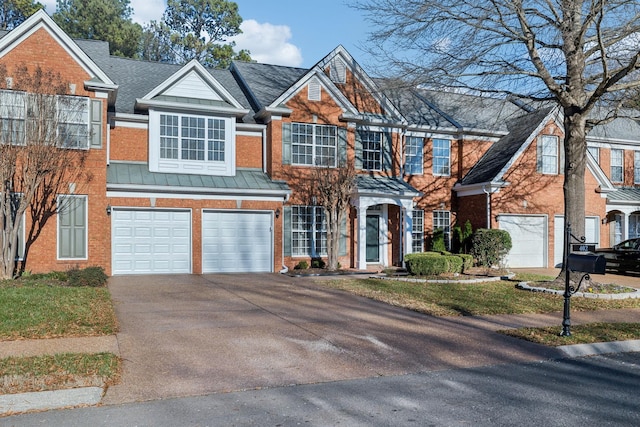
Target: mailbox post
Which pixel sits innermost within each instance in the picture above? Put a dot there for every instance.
(576, 262)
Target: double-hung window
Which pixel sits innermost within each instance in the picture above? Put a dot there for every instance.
(413, 156)
(313, 145)
(617, 165)
(636, 167)
(441, 157)
(72, 227)
(191, 143)
(73, 119)
(595, 152)
(442, 221)
(12, 117)
(417, 231)
(371, 149)
(308, 231)
(548, 154)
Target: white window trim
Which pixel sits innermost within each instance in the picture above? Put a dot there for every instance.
(636, 167)
(447, 239)
(415, 232)
(379, 132)
(553, 141)
(621, 166)
(315, 146)
(421, 151)
(197, 167)
(314, 230)
(86, 234)
(433, 155)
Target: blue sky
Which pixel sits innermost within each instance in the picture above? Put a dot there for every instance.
(285, 32)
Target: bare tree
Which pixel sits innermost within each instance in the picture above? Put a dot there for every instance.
(41, 153)
(581, 54)
(332, 189)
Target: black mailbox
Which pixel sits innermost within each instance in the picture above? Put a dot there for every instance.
(587, 263)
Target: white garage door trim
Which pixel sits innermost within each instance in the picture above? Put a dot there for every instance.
(529, 239)
(150, 241)
(237, 241)
(592, 235)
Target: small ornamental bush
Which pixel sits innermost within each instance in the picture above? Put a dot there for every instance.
(437, 241)
(489, 247)
(425, 264)
(302, 265)
(467, 261)
(317, 263)
(91, 276)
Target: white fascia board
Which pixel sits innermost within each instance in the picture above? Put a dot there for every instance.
(179, 106)
(192, 191)
(628, 144)
(41, 20)
(327, 85)
(481, 188)
(272, 113)
(250, 127)
(194, 65)
(363, 119)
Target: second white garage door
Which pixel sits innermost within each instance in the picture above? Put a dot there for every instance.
(237, 241)
(528, 239)
(150, 241)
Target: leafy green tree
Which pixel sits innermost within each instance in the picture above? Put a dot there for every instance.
(195, 29)
(15, 12)
(108, 20)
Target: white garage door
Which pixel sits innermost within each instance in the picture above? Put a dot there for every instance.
(528, 238)
(237, 241)
(150, 241)
(592, 235)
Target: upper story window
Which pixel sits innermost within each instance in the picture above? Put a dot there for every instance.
(313, 145)
(441, 157)
(64, 121)
(617, 165)
(191, 143)
(548, 154)
(371, 149)
(413, 156)
(595, 152)
(636, 167)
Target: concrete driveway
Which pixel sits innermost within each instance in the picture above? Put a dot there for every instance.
(191, 335)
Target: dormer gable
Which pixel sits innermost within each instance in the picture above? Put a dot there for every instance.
(98, 80)
(192, 88)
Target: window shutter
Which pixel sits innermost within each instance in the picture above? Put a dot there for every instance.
(387, 156)
(72, 227)
(342, 146)
(358, 150)
(286, 235)
(342, 251)
(96, 123)
(286, 143)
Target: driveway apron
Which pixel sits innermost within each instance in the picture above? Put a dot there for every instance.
(184, 335)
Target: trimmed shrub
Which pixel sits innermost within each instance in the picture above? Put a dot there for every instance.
(455, 263)
(425, 264)
(302, 265)
(437, 241)
(489, 247)
(317, 263)
(91, 276)
(467, 261)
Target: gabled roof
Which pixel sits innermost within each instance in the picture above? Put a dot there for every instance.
(502, 154)
(40, 20)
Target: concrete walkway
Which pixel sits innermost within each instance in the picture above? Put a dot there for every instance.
(192, 335)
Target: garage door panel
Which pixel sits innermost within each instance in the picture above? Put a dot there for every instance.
(237, 241)
(528, 239)
(151, 241)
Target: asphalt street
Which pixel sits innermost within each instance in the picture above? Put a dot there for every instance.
(598, 390)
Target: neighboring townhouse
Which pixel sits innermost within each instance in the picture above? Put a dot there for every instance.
(202, 171)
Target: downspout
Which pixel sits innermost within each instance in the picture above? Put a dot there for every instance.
(488, 193)
(109, 139)
(264, 149)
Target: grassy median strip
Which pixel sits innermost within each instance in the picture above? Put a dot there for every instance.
(60, 371)
(580, 334)
(45, 308)
(476, 299)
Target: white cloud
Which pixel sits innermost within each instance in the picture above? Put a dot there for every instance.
(268, 43)
(145, 11)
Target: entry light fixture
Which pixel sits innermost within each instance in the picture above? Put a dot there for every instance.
(108, 210)
(277, 213)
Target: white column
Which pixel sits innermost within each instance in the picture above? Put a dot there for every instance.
(362, 238)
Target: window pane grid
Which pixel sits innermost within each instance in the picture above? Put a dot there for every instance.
(441, 157)
(313, 145)
(216, 139)
(549, 154)
(73, 118)
(196, 138)
(617, 174)
(308, 231)
(414, 159)
(442, 221)
(417, 231)
(371, 150)
(168, 136)
(636, 167)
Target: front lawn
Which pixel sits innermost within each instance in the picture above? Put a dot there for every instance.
(455, 299)
(580, 334)
(45, 307)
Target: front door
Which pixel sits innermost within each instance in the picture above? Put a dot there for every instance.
(373, 238)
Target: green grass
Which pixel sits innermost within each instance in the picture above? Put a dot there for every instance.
(43, 308)
(455, 299)
(580, 334)
(53, 372)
